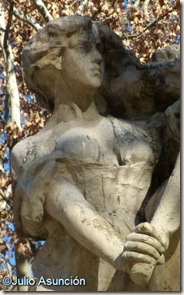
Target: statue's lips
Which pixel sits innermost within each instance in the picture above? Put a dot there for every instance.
(96, 71)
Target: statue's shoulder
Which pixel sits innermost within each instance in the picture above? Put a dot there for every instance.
(29, 149)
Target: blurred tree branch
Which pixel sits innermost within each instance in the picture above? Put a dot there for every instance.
(153, 23)
(43, 10)
(27, 18)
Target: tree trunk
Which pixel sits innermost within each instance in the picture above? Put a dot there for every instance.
(12, 88)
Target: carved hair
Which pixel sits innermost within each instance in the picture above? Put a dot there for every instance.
(44, 51)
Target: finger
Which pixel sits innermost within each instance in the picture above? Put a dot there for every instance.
(148, 229)
(147, 240)
(142, 248)
(134, 257)
(161, 259)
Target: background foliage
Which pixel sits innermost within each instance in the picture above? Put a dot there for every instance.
(144, 25)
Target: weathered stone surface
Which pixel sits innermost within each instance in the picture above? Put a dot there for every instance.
(100, 182)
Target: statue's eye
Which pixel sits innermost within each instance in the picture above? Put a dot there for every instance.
(84, 47)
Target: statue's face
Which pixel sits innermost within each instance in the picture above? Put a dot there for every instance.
(82, 62)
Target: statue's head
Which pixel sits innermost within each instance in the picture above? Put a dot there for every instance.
(75, 50)
(67, 48)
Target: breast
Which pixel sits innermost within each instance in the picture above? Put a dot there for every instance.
(79, 145)
(134, 150)
(133, 142)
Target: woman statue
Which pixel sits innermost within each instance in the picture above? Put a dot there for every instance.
(83, 178)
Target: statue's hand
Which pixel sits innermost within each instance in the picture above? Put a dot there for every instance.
(144, 245)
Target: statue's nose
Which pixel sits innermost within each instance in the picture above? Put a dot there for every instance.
(96, 56)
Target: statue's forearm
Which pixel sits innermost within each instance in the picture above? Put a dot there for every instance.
(66, 204)
(167, 214)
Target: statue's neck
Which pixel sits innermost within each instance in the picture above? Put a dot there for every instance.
(73, 105)
(71, 112)
(67, 94)
(68, 113)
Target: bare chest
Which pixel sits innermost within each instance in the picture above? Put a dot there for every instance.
(108, 141)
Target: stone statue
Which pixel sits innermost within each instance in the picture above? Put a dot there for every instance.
(100, 184)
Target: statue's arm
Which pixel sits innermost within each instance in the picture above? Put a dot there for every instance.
(65, 202)
(167, 215)
(91, 230)
(44, 188)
